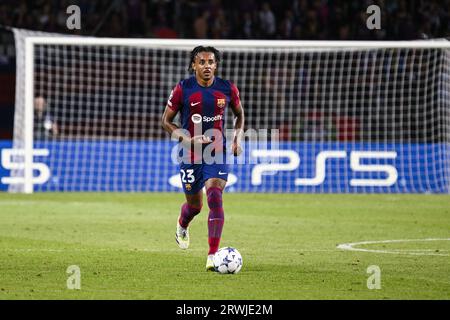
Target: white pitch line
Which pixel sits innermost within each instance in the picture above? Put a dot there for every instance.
(351, 247)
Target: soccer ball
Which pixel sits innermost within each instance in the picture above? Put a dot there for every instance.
(227, 260)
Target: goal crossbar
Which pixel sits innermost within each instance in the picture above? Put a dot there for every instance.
(358, 48)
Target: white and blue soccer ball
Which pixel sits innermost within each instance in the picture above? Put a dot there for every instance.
(227, 260)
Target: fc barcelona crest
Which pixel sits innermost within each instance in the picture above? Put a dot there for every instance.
(221, 103)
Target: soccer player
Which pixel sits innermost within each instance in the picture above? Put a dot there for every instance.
(201, 101)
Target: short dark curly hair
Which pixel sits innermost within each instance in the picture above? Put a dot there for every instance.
(198, 49)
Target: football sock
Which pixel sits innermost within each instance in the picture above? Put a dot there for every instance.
(215, 218)
(187, 214)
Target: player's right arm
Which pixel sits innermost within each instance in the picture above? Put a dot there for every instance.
(172, 108)
(178, 134)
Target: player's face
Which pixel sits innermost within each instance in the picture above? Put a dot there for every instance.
(205, 65)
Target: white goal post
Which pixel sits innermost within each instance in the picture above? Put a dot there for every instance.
(360, 116)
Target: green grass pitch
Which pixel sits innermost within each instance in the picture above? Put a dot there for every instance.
(124, 246)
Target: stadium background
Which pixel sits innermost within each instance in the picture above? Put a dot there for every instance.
(282, 20)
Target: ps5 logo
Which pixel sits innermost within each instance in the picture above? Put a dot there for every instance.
(13, 159)
(356, 165)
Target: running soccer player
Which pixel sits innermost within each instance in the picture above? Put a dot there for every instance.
(201, 101)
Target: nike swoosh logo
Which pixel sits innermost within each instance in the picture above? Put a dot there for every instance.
(222, 173)
(194, 104)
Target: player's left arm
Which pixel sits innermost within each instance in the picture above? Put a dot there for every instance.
(239, 120)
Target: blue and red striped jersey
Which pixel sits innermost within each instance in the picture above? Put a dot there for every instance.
(203, 108)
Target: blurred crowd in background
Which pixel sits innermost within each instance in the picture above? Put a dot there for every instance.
(215, 19)
(235, 19)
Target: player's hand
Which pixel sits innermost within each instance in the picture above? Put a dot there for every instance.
(236, 149)
(200, 140)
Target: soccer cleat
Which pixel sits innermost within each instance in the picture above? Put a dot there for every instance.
(182, 237)
(210, 263)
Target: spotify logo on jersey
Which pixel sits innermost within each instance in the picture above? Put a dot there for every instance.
(196, 118)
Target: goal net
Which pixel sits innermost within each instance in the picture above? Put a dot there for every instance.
(350, 116)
